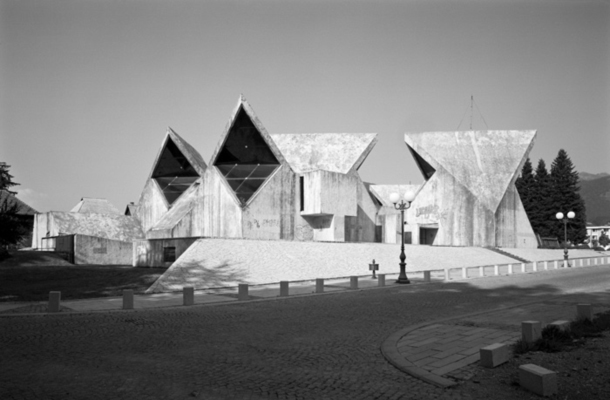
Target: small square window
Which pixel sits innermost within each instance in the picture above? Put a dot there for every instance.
(169, 254)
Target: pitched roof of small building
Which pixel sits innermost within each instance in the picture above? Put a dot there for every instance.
(335, 152)
(90, 205)
(117, 227)
(23, 209)
(484, 162)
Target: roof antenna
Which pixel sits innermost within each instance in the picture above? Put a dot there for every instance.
(471, 103)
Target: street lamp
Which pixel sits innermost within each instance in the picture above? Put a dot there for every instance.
(402, 206)
(560, 217)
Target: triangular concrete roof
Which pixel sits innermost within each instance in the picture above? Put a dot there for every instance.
(183, 205)
(192, 155)
(335, 152)
(382, 192)
(242, 103)
(89, 205)
(485, 162)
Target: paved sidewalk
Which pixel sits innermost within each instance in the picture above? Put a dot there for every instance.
(438, 352)
(202, 297)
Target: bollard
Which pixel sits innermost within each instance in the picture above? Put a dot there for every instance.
(546, 265)
(539, 380)
(446, 274)
(284, 288)
(531, 331)
(481, 271)
(381, 280)
(54, 299)
(556, 267)
(535, 266)
(510, 269)
(584, 311)
(319, 285)
(464, 273)
(128, 299)
(523, 268)
(496, 270)
(188, 295)
(427, 276)
(353, 282)
(242, 293)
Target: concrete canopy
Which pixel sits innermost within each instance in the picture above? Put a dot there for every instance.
(485, 162)
(334, 152)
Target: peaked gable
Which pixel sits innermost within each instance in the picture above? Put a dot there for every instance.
(95, 206)
(177, 166)
(484, 162)
(247, 155)
(335, 152)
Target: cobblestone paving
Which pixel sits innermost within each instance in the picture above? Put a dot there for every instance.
(318, 347)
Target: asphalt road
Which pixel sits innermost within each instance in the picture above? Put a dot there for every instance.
(313, 347)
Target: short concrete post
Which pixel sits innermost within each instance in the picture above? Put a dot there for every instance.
(556, 266)
(481, 271)
(531, 331)
(523, 268)
(128, 299)
(539, 380)
(595, 261)
(584, 311)
(546, 265)
(353, 282)
(242, 292)
(319, 285)
(565, 264)
(284, 290)
(535, 266)
(446, 274)
(381, 280)
(188, 295)
(464, 273)
(54, 300)
(510, 269)
(496, 270)
(493, 355)
(427, 276)
(581, 262)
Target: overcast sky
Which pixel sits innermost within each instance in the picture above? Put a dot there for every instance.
(88, 88)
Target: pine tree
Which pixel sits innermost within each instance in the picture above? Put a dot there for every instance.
(565, 197)
(525, 186)
(12, 228)
(541, 216)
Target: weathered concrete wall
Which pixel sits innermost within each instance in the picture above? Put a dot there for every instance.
(179, 220)
(271, 212)
(43, 224)
(151, 206)
(330, 193)
(513, 226)
(222, 215)
(149, 253)
(101, 251)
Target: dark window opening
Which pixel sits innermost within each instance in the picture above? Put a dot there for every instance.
(173, 172)
(302, 186)
(169, 254)
(426, 169)
(245, 160)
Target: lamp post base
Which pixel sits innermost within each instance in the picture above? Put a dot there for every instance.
(402, 277)
(403, 280)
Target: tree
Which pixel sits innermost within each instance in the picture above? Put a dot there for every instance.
(565, 197)
(525, 186)
(541, 215)
(12, 227)
(604, 240)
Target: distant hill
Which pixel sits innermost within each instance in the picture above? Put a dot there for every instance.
(585, 176)
(596, 194)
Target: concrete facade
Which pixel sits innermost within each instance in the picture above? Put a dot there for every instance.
(469, 197)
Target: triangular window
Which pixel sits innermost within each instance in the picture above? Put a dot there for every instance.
(245, 160)
(173, 172)
(426, 169)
